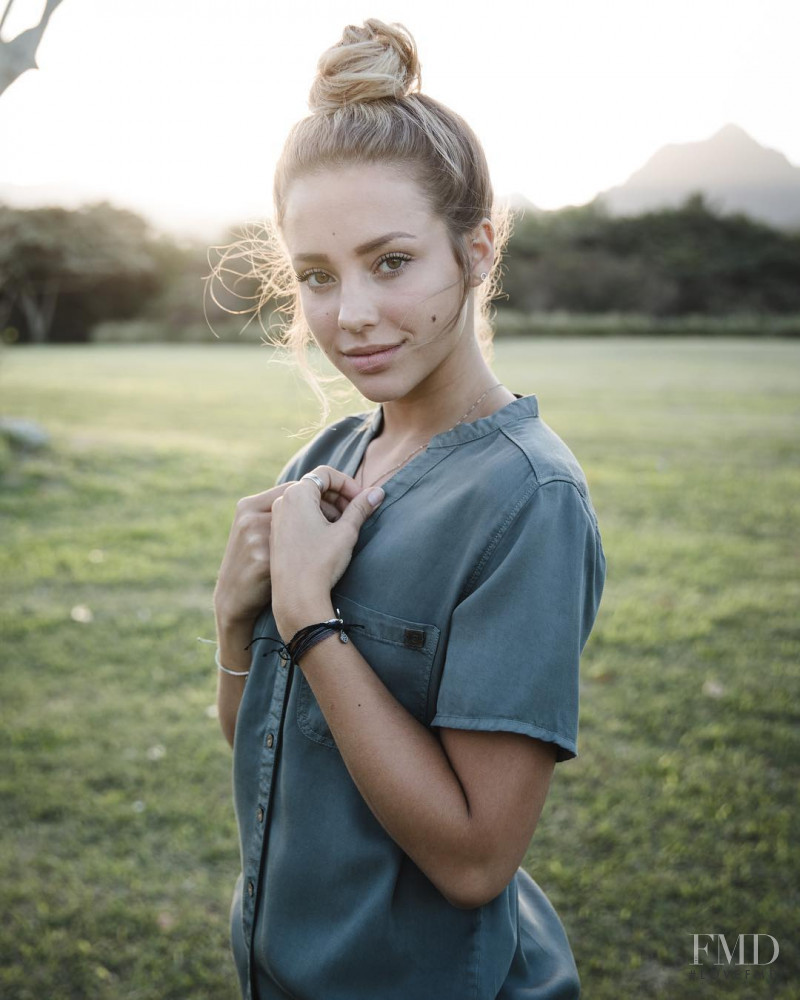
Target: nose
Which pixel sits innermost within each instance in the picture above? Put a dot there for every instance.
(357, 310)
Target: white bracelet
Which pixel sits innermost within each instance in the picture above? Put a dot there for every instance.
(231, 673)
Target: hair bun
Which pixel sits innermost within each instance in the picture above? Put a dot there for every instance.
(372, 62)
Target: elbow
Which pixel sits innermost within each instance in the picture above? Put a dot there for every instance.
(480, 876)
(473, 888)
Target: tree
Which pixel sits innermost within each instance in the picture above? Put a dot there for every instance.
(68, 269)
(670, 262)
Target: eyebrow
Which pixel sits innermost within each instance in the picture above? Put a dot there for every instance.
(369, 247)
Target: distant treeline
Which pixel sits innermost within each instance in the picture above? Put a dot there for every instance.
(99, 273)
(674, 262)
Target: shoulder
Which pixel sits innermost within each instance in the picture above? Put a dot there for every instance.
(548, 455)
(328, 446)
(544, 526)
(528, 459)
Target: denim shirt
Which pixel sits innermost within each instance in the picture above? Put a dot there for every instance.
(477, 581)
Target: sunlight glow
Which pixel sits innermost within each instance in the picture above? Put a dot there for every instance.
(179, 109)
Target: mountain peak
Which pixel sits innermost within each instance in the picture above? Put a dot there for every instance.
(732, 133)
(518, 202)
(734, 171)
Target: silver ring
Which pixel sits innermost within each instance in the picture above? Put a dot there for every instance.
(315, 479)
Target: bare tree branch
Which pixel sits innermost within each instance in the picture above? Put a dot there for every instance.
(19, 54)
(5, 14)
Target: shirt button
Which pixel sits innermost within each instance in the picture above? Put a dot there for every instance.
(260, 814)
(250, 888)
(270, 740)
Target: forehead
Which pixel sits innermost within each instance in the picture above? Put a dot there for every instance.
(348, 205)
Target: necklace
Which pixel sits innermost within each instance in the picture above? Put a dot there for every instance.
(425, 444)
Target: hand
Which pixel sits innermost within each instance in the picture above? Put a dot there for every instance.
(244, 583)
(309, 552)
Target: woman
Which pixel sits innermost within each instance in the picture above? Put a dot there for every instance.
(400, 619)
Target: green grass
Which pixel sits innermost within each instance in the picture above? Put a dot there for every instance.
(119, 849)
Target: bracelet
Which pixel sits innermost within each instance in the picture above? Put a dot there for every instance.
(305, 638)
(230, 673)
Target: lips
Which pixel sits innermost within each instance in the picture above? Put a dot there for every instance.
(373, 358)
(358, 352)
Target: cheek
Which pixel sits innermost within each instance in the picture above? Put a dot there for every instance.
(415, 305)
(321, 319)
(441, 287)
(433, 304)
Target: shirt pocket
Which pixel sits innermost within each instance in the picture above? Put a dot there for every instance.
(400, 651)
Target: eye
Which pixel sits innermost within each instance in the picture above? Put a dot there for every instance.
(315, 278)
(392, 263)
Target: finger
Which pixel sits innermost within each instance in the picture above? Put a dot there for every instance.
(331, 511)
(360, 508)
(335, 482)
(305, 495)
(264, 501)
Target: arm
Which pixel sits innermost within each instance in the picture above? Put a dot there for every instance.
(232, 639)
(244, 589)
(463, 806)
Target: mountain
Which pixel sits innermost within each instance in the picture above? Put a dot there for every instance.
(735, 172)
(520, 204)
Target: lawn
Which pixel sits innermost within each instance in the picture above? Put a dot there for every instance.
(680, 815)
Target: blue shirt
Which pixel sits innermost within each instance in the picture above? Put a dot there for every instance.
(477, 582)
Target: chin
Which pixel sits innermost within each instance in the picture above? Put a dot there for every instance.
(378, 394)
(382, 387)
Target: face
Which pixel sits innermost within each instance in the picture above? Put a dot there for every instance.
(379, 282)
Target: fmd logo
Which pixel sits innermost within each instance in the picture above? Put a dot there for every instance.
(738, 954)
(747, 958)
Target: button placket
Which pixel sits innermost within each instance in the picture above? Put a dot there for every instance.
(255, 852)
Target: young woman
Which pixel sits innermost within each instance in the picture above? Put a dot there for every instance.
(400, 619)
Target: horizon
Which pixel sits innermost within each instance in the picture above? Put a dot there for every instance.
(70, 200)
(167, 137)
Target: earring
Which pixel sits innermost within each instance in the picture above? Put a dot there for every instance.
(484, 276)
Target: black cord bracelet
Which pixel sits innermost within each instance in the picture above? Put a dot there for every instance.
(308, 636)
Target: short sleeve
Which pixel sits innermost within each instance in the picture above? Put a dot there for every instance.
(514, 646)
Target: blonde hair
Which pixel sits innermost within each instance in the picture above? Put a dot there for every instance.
(366, 107)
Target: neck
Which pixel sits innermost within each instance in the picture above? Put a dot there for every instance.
(441, 400)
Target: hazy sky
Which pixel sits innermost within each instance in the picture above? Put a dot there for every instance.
(178, 108)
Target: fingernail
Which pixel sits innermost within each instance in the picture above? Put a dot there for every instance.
(375, 496)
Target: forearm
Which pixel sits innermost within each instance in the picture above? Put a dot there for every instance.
(232, 639)
(397, 764)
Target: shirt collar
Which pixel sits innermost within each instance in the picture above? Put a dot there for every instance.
(521, 407)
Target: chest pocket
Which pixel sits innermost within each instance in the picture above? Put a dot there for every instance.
(400, 652)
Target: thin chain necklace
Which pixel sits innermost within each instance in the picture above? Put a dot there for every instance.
(425, 444)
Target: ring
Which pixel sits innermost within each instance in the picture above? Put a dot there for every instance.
(315, 479)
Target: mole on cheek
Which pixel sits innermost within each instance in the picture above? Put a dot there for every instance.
(433, 319)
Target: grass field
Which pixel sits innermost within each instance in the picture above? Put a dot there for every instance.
(679, 817)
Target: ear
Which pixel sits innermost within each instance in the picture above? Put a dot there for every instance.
(481, 246)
